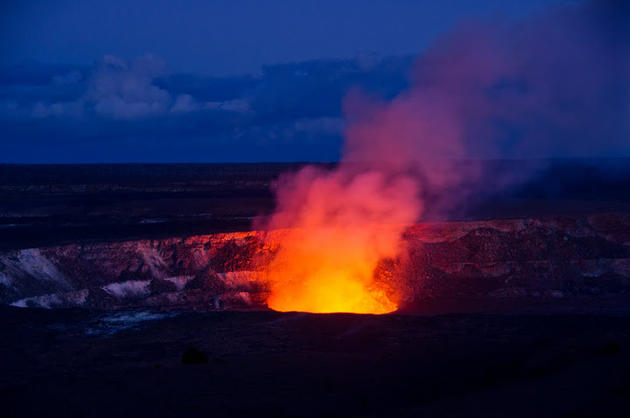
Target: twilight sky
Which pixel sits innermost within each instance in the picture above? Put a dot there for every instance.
(224, 80)
(222, 37)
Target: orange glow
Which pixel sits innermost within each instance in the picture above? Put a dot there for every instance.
(331, 293)
(337, 228)
(326, 271)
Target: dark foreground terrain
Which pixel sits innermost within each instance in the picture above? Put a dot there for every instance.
(75, 363)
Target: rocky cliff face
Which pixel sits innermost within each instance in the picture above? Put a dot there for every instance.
(201, 271)
(538, 258)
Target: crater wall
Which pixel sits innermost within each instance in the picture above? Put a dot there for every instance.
(496, 259)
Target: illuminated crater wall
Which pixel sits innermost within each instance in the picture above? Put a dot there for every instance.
(527, 258)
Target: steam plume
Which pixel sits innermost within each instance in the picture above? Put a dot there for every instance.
(553, 85)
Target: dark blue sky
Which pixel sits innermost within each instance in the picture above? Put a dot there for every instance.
(232, 36)
(225, 80)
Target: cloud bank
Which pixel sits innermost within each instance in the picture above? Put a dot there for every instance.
(545, 86)
(136, 110)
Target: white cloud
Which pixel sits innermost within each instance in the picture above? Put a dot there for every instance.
(184, 103)
(125, 91)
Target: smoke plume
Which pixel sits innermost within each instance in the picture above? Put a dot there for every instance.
(554, 85)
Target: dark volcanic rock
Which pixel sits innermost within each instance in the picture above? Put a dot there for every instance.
(80, 363)
(193, 355)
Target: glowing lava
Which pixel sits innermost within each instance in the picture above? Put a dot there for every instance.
(328, 271)
(334, 236)
(324, 293)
